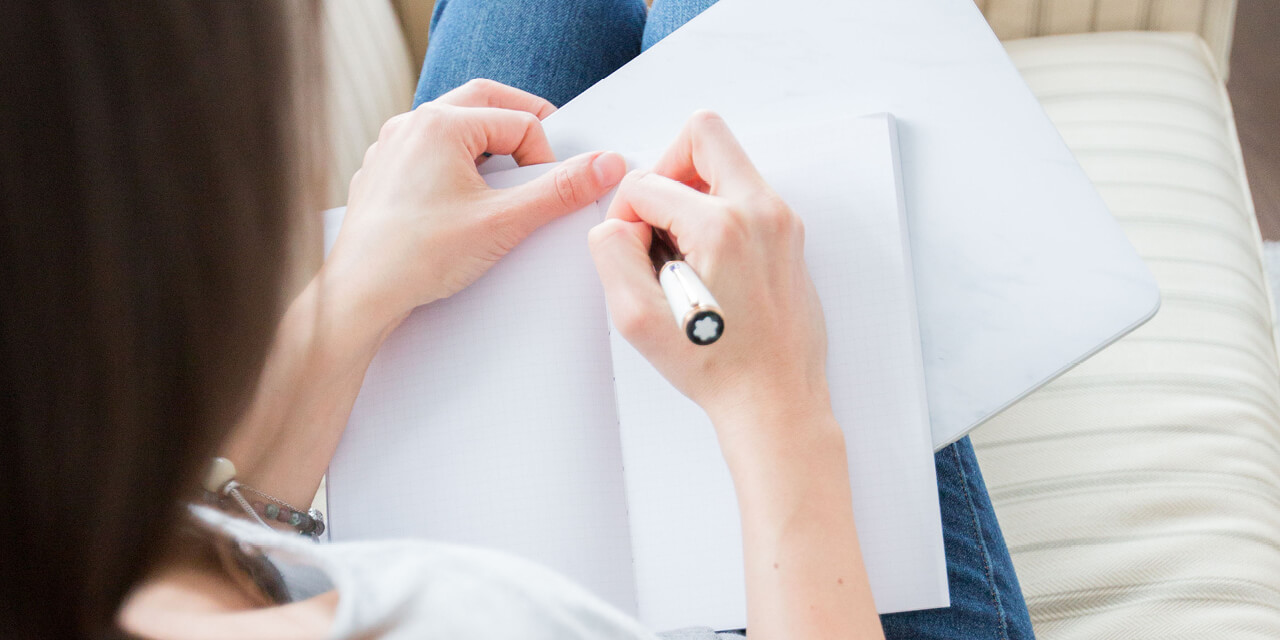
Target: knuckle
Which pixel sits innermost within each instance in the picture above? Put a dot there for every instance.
(734, 216)
(776, 218)
(479, 86)
(430, 114)
(629, 187)
(772, 212)
(769, 201)
(568, 188)
(531, 121)
(631, 317)
(392, 124)
(729, 227)
(600, 234)
(703, 118)
(631, 181)
(796, 228)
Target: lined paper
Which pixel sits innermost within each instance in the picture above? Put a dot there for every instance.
(488, 419)
(841, 178)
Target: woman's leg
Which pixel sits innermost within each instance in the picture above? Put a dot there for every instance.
(986, 601)
(554, 49)
(665, 17)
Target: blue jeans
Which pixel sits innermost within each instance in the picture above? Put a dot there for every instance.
(556, 49)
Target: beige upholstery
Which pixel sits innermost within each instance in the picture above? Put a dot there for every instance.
(370, 79)
(415, 16)
(1140, 493)
(365, 22)
(1213, 20)
(1011, 19)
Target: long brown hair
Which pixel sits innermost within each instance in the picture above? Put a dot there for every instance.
(152, 154)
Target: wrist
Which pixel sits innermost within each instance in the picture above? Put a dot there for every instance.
(766, 409)
(777, 474)
(751, 434)
(345, 296)
(323, 346)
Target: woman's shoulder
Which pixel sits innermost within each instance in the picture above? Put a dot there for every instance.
(418, 588)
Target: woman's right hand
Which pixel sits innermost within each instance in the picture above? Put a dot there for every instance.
(768, 370)
(763, 383)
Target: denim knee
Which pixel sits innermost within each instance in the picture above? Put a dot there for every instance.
(555, 49)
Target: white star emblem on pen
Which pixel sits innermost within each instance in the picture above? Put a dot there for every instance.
(706, 329)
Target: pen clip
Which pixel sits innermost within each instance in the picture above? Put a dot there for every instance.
(678, 269)
(695, 310)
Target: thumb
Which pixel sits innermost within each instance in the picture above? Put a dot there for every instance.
(636, 302)
(576, 183)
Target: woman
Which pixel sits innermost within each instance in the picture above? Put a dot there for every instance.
(154, 178)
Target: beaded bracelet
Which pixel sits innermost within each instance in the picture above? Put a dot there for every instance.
(222, 490)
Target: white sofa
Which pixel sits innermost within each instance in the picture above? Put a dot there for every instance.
(1139, 493)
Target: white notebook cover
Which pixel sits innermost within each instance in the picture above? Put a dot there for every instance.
(1021, 271)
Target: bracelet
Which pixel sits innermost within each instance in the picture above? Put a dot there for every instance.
(221, 490)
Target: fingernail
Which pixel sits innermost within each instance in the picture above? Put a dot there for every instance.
(609, 168)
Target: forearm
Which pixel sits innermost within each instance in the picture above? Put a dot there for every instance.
(804, 569)
(309, 383)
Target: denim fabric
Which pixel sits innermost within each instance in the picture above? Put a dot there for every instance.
(666, 17)
(557, 49)
(550, 48)
(986, 601)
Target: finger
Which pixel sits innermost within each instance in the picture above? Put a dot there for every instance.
(574, 184)
(356, 180)
(393, 124)
(706, 152)
(636, 303)
(504, 132)
(489, 93)
(663, 203)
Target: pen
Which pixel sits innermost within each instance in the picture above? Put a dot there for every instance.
(695, 310)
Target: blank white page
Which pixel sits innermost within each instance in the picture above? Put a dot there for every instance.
(686, 534)
(488, 419)
(1021, 270)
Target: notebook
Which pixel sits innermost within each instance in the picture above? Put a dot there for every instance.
(511, 416)
(1021, 271)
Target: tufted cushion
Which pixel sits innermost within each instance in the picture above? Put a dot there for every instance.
(1214, 20)
(1010, 19)
(1140, 492)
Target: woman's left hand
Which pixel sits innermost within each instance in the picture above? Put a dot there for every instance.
(421, 223)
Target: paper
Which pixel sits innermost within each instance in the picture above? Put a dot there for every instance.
(488, 419)
(685, 529)
(1021, 272)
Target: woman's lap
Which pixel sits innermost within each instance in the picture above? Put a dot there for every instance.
(577, 42)
(986, 601)
(557, 50)
(551, 49)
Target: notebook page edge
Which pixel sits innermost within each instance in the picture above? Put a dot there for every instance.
(341, 499)
(734, 615)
